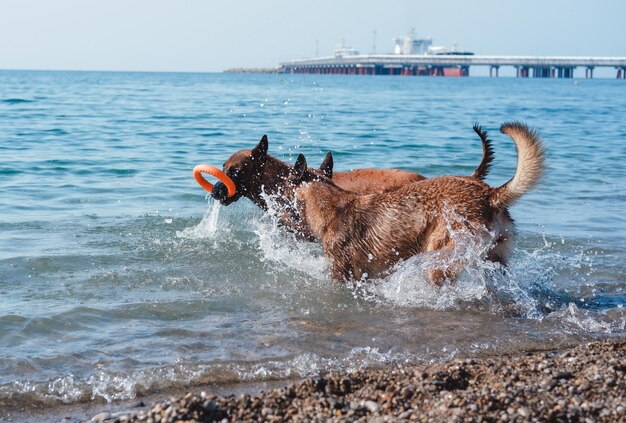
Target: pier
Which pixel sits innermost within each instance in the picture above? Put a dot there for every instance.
(453, 65)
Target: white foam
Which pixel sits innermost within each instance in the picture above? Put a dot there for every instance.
(208, 227)
(127, 385)
(523, 289)
(408, 283)
(281, 247)
(311, 364)
(577, 320)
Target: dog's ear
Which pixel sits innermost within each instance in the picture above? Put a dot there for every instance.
(327, 165)
(299, 169)
(260, 151)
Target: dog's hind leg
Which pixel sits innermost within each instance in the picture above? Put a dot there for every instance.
(448, 269)
(438, 276)
(441, 243)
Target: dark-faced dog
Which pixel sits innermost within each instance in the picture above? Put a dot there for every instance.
(258, 174)
(365, 235)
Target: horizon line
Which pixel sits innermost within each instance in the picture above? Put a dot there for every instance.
(226, 71)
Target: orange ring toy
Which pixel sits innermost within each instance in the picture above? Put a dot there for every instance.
(212, 170)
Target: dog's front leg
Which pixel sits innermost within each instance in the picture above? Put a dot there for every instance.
(341, 267)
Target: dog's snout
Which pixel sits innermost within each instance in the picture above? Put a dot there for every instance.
(219, 191)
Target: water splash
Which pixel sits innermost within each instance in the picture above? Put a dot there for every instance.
(407, 284)
(208, 227)
(282, 248)
(525, 288)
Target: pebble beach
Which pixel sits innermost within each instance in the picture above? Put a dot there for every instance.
(585, 383)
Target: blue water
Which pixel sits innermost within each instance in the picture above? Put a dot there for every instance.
(118, 276)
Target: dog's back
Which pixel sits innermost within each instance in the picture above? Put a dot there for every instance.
(369, 181)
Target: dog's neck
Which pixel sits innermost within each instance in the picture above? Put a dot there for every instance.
(272, 179)
(322, 205)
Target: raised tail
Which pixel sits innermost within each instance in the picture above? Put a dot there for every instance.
(530, 164)
(485, 164)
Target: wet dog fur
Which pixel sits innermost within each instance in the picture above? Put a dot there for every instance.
(365, 235)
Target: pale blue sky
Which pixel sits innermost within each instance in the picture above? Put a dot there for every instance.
(194, 35)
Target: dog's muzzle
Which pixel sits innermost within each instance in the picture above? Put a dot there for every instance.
(219, 192)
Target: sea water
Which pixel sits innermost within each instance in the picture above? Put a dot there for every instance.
(119, 276)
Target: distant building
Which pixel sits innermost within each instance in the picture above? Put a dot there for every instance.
(408, 44)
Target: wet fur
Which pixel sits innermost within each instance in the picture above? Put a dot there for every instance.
(365, 235)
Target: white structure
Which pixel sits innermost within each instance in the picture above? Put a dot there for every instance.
(342, 51)
(409, 45)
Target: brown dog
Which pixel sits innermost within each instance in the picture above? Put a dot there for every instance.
(256, 173)
(364, 235)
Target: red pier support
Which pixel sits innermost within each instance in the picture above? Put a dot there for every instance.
(522, 71)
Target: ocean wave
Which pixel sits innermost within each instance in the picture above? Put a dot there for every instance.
(16, 100)
(113, 386)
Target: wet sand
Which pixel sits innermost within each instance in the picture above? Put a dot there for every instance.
(583, 383)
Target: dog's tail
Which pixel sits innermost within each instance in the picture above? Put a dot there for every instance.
(530, 164)
(485, 164)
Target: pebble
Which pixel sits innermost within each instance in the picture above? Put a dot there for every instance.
(372, 406)
(563, 375)
(210, 405)
(101, 416)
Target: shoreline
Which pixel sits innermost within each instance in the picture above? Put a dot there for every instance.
(569, 384)
(84, 411)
